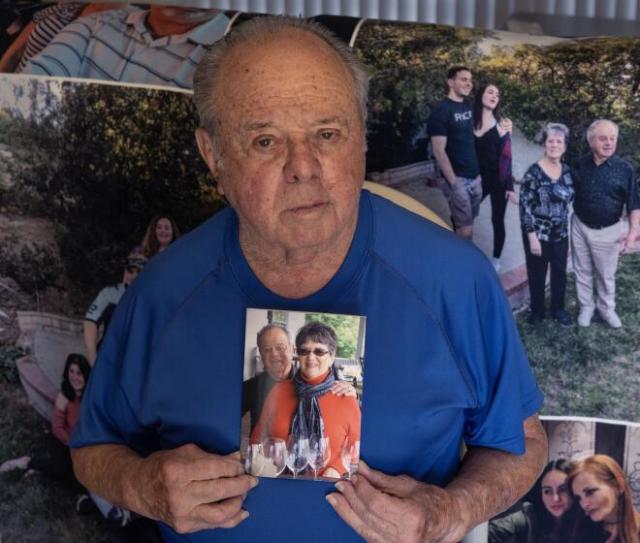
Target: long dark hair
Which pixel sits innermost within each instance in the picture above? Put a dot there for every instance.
(150, 243)
(83, 366)
(477, 106)
(546, 527)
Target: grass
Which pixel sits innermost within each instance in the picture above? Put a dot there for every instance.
(591, 371)
(33, 509)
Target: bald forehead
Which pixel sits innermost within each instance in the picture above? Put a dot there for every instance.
(281, 55)
(274, 335)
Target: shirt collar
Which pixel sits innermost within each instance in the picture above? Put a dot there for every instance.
(205, 34)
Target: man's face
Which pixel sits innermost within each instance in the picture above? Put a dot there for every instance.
(603, 142)
(130, 275)
(461, 84)
(276, 353)
(292, 144)
(182, 15)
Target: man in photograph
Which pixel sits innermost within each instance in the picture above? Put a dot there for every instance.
(160, 45)
(450, 127)
(96, 320)
(282, 106)
(604, 186)
(276, 352)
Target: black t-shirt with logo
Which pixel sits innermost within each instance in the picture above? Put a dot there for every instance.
(454, 120)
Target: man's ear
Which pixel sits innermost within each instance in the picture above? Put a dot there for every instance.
(206, 148)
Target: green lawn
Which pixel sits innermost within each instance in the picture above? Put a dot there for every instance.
(591, 371)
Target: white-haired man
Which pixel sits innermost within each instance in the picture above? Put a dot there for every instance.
(604, 186)
(283, 110)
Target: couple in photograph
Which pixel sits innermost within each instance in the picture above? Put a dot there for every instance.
(308, 404)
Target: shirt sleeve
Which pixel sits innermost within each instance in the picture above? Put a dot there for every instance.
(437, 124)
(97, 307)
(65, 54)
(107, 413)
(505, 388)
(527, 197)
(59, 425)
(633, 200)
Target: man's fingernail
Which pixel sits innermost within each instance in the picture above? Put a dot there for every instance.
(254, 482)
(331, 499)
(354, 478)
(244, 514)
(340, 486)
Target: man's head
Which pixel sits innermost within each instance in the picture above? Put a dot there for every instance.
(282, 106)
(459, 82)
(276, 351)
(132, 267)
(602, 136)
(174, 20)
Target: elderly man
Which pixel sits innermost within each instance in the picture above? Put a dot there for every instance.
(159, 46)
(604, 185)
(283, 107)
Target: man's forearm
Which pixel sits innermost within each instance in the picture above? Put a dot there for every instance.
(90, 333)
(490, 481)
(634, 221)
(109, 471)
(445, 166)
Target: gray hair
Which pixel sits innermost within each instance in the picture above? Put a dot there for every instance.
(318, 332)
(595, 124)
(558, 128)
(208, 70)
(271, 326)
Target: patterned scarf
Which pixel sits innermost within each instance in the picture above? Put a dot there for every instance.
(307, 420)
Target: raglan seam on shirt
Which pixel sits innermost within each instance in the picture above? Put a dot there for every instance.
(461, 367)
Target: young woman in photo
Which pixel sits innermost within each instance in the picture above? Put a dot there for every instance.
(493, 150)
(547, 518)
(161, 232)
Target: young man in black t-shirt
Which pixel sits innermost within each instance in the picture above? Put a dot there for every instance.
(450, 128)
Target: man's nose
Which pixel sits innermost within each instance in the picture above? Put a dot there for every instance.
(302, 163)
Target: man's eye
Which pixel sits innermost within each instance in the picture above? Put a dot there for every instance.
(264, 142)
(328, 134)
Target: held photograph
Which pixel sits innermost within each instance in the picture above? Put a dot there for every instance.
(302, 394)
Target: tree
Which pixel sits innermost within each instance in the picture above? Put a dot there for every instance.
(345, 327)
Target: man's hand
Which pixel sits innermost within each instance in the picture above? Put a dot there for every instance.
(384, 508)
(628, 242)
(191, 490)
(343, 388)
(511, 196)
(187, 488)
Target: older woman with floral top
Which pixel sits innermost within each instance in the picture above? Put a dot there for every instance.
(545, 197)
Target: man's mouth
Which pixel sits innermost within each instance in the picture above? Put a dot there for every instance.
(307, 208)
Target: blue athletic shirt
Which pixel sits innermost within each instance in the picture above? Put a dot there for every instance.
(444, 362)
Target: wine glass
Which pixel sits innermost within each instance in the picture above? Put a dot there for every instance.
(350, 455)
(275, 453)
(319, 453)
(253, 458)
(297, 455)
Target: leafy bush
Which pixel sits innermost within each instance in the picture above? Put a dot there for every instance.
(8, 356)
(33, 267)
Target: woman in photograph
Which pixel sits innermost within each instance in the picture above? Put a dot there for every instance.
(161, 232)
(603, 492)
(493, 149)
(303, 408)
(545, 197)
(66, 411)
(547, 518)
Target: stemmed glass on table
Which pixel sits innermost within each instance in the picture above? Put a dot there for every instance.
(297, 455)
(275, 451)
(319, 453)
(350, 455)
